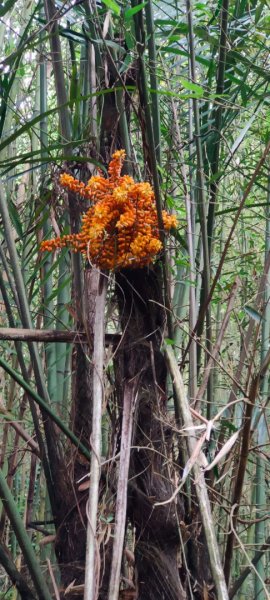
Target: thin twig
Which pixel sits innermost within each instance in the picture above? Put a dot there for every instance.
(54, 584)
(218, 343)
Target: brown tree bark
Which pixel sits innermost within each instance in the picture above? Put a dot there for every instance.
(157, 527)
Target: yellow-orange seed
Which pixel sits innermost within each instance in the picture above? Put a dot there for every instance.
(120, 229)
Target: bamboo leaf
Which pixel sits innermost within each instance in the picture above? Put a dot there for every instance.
(253, 314)
(194, 456)
(193, 87)
(14, 215)
(113, 6)
(7, 6)
(244, 131)
(224, 450)
(128, 14)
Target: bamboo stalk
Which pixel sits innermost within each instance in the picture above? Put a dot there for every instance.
(121, 498)
(150, 28)
(49, 335)
(202, 208)
(50, 350)
(260, 482)
(24, 541)
(245, 195)
(199, 483)
(56, 56)
(91, 587)
(143, 90)
(15, 576)
(240, 475)
(53, 450)
(258, 556)
(52, 15)
(45, 407)
(218, 111)
(192, 271)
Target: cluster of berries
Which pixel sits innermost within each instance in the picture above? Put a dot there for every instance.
(120, 229)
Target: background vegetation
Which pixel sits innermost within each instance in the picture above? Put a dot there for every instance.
(184, 88)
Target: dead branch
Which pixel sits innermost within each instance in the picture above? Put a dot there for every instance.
(54, 335)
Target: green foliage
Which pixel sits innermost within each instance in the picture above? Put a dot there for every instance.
(233, 129)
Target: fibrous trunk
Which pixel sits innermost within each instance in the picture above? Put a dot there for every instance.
(157, 527)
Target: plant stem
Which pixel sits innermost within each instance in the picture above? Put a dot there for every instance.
(150, 29)
(92, 566)
(53, 449)
(45, 407)
(51, 335)
(23, 539)
(122, 485)
(218, 111)
(199, 483)
(143, 90)
(202, 205)
(250, 184)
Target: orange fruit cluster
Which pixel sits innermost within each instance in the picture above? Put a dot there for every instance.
(120, 229)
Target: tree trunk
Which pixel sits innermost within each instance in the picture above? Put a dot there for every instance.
(157, 527)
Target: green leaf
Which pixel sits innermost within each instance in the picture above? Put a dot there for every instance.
(169, 342)
(113, 6)
(259, 10)
(7, 6)
(14, 215)
(228, 425)
(193, 87)
(110, 44)
(128, 14)
(253, 314)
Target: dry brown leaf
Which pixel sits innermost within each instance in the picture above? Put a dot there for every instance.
(224, 450)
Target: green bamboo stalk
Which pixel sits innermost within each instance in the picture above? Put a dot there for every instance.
(120, 105)
(202, 208)
(15, 576)
(84, 87)
(50, 349)
(151, 42)
(57, 62)
(92, 18)
(253, 563)
(43, 405)
(53, 449)
(143, 89)
(24, 541)
(190, 288)
(218, 112)
(24, 371)
(261, 499)
(66, 133)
